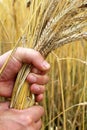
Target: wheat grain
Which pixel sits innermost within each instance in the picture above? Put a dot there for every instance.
(50, 27)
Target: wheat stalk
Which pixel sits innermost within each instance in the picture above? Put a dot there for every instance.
(53, 24)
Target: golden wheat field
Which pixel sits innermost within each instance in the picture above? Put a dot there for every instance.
(65, 99)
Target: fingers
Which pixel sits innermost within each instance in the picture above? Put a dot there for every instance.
(37, 89)
(31, 56)
(39, 98)
(37, 85)
(36, 71)
(39, 79)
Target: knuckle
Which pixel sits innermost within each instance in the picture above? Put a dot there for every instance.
(19, 50)
(43, 88)
(46, 78)
(37, 53)
(29, 120)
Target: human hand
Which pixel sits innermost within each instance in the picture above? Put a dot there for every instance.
(37, 78)
(28, 119)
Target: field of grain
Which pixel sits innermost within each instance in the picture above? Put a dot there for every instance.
(65, 99)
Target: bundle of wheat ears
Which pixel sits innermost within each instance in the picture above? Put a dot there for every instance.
(50, 25)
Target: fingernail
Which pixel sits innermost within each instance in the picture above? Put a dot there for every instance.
(46, 65)
(32, 78)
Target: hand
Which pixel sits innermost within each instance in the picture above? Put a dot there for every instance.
(29, 119)
(37, 77)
